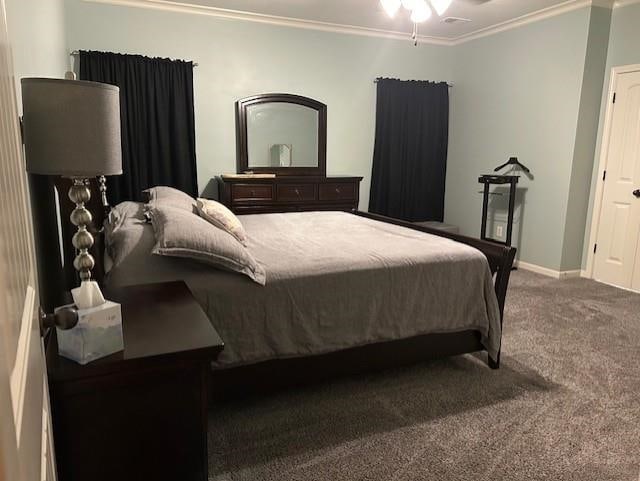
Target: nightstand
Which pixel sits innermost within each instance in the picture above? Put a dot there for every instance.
(140, 413)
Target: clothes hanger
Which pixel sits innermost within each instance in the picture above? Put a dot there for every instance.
(512, 161)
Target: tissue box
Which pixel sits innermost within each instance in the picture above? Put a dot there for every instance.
(97, 334)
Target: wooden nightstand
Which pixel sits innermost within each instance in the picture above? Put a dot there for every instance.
(140, 414)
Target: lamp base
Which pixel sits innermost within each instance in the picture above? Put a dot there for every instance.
(80, 194)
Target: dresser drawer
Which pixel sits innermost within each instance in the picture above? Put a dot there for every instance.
(338, 191)
(294, 192)
(251, 192)
(289, 194)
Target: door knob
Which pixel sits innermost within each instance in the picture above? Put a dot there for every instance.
(63, 318)
(636, 192)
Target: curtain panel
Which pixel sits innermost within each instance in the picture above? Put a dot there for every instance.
(410, 153)
(158, 125)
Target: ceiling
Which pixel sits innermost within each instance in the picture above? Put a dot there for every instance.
(368, 15)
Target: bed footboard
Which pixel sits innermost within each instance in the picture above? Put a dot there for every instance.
(500, 259)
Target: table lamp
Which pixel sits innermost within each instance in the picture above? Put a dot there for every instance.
(72, 129)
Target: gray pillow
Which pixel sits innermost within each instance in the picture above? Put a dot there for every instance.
(168, 196)
(182, 234)
(134, 239)
(125, 210)
(122, 213)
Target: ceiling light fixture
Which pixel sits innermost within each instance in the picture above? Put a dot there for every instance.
(420, 10)
(441, 6)
(391, 6)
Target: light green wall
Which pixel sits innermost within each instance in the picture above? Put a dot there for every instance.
(583, 153)
(518, 93)
(37, 35)
(238, 59)
(530, 92)
(624, 49)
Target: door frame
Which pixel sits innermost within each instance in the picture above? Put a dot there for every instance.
(602, 165)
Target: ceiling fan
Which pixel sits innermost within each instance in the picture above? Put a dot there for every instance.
(421, 10)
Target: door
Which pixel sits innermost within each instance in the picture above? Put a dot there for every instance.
(25, 445)
(617, 258)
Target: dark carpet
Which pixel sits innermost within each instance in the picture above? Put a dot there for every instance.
(565, 405)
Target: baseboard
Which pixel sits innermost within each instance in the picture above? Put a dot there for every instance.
(573, 274)
(545, 271)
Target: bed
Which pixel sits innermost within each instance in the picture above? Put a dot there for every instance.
(377, 350)
(345, 293)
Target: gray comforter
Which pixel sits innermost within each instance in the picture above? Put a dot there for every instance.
(334, 281)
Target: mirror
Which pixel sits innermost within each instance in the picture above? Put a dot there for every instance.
(276, 131)
(281, 133)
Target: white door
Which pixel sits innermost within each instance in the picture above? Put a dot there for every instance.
(25, 446)
(617, 258)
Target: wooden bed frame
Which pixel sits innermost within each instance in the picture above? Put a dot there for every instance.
(275, 373)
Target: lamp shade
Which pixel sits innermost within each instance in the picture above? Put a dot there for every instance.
(71, 127)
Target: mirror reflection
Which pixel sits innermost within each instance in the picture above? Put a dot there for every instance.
(280, 155)
(282, 135)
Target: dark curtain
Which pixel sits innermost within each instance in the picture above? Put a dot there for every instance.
(158, 127)
(410, 154)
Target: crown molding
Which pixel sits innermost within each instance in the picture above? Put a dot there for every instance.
(624, 3)
(179, 7)
(189, 8)
(533, 17)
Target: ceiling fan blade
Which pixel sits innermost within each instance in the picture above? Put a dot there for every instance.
(441, 6)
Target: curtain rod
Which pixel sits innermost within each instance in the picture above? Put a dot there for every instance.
(75, 53)
(375, 81)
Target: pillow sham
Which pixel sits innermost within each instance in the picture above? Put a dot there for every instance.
(168, 196)
(182, 234)
(221, 217)
(133, 239)
(125, 210)
(121, 213)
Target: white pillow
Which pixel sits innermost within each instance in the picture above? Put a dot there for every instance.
(218, 215)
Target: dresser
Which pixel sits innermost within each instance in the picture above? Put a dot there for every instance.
(288, 193)
(284, 135)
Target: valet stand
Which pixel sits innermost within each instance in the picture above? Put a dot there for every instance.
(489, 180)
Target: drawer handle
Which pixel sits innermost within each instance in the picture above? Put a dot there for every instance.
(337, 190)
(253, 193)
(297, 192)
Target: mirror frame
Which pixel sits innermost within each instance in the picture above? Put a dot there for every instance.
(242, 152)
